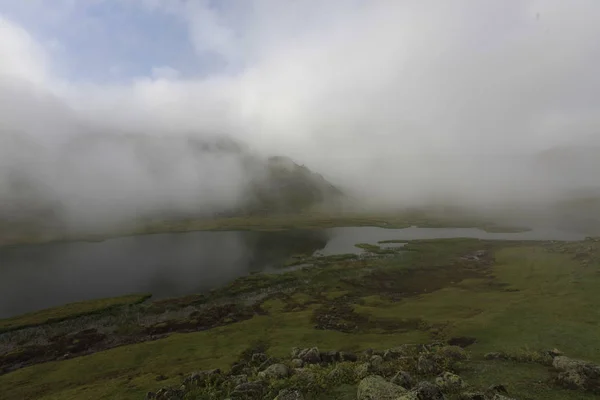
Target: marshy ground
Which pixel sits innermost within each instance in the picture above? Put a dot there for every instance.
(510, 297)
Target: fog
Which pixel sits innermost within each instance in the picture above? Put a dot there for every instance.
(400, 103)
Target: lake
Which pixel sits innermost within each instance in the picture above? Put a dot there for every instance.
(33, 277)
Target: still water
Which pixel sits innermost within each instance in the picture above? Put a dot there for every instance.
(40, 276)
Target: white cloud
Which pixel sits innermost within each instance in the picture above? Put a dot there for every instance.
(372, 93)
(22, 57)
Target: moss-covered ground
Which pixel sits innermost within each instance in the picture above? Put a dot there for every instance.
(514, 297)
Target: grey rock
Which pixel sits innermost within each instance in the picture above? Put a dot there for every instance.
(237, 380)
(429, 364)
(403, 379)
(202, 377)
(259, 358)
(330, 357)
(454, 353)
(428, 391)
(295, 352)
(376, 388)
(363, 370)
(347, 356)
(449, 382)
(376, 361)
(238, 368)
(310, 356)
(297, 363)
(290, 394)
(265, 364)
(497, 389)
(275, 371)
(249, 390)
(577, 374)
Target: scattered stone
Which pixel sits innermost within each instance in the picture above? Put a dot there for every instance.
(453, 353)
(249, 390)
(374, 387)
(403, 379)
(290, 394)
(367, 354)
(361, 371)
(330, 357)
(346, 356)
(295, 352)
(304, 375)
(577, 374)
(237, 369)
(553, 353)
(259, 358)
(498, 389)
(201, 377)
(428, 391)
(237, 380)
(429, 364)
(449, 382)
(376, 361)
(297, 363)
(310, 356)
(265, 364)
(275, 371)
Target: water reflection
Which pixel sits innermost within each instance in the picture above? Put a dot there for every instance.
(35, 277)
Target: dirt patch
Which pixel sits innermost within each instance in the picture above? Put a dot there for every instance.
(91, 341)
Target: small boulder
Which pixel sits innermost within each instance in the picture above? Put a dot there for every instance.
(330, 357)
(238, 379)
(340, 374)
(453, 353)
(275, 371)
(403, 379)
(449, 382)
(376, 362)
(310, 356)
(429, 364)
(290, 394)
(363, 370)
(347, 356)
(429, 391)
(237, 368)
(248, 390)
(296, 352)
(577, 374)
(297, 363)
(376, 388)
(258, 358)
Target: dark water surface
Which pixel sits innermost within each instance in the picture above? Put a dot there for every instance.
(40, 276)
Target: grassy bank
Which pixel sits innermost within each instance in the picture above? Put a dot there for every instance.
(513, 297)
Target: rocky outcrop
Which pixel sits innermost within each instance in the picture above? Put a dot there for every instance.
(577, 374)
(375, 387)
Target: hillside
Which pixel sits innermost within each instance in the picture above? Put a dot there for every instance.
(65, 190)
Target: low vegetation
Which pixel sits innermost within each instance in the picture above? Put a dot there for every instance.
(515, 299)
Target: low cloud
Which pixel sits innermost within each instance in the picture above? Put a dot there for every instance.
(397, 102)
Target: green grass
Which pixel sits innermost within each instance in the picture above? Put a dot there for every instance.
(278, 222)
(531, 298)
(69, 311)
